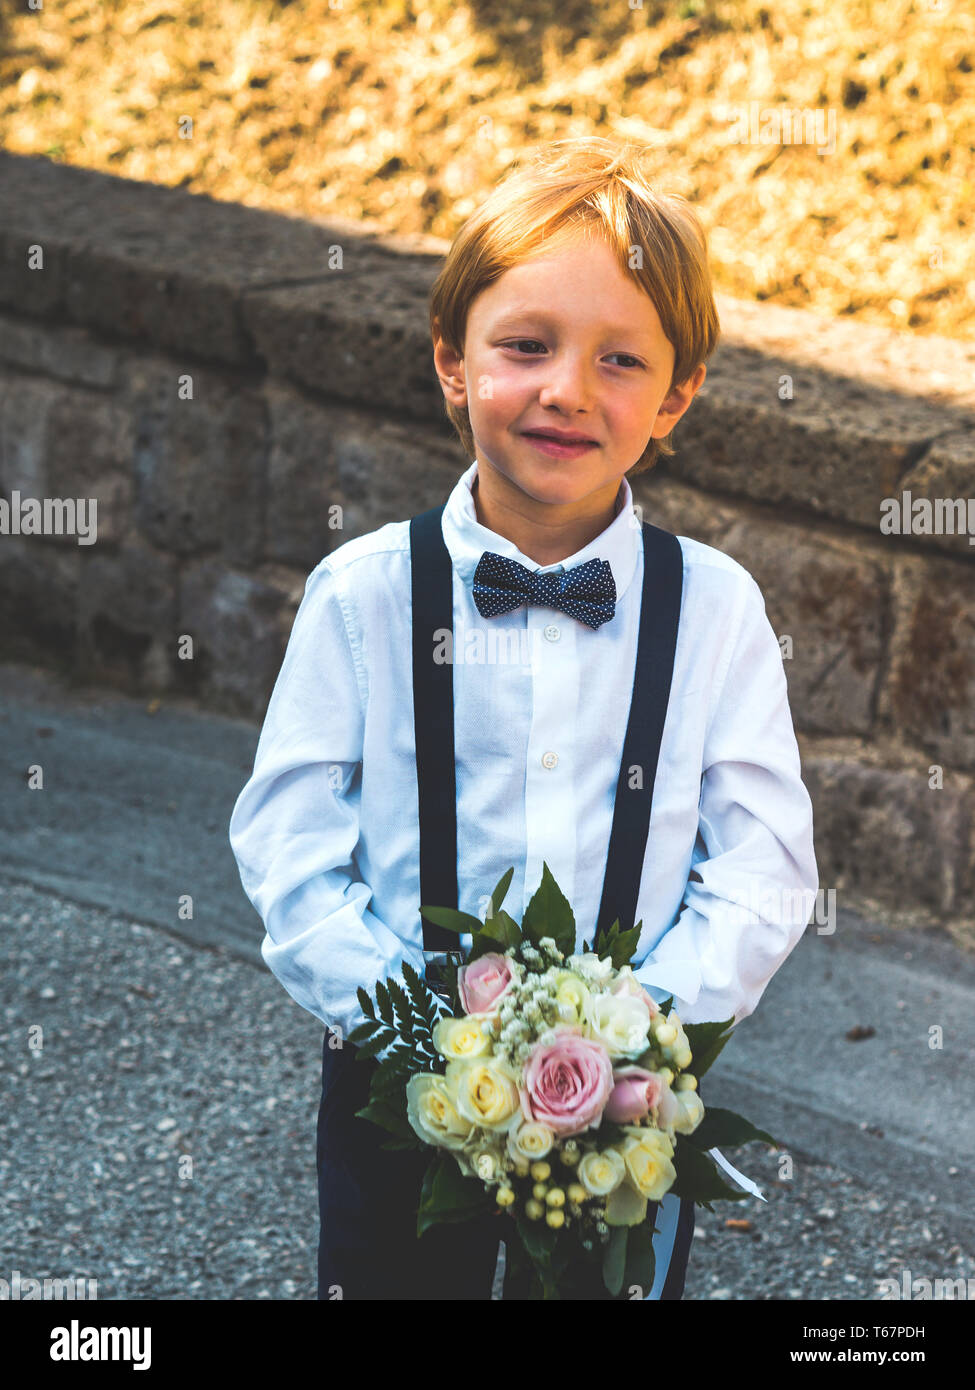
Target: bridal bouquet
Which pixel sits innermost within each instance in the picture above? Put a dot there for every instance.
(557, 1091)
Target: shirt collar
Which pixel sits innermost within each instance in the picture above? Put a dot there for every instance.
(466, 539)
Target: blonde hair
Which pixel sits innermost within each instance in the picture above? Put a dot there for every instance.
(572, 187)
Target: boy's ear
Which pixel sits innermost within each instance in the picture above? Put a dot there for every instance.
(450, 370)
(676, 402)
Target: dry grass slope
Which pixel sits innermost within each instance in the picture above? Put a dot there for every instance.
(405, 114)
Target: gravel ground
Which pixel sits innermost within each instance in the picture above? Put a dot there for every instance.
(162, 1140)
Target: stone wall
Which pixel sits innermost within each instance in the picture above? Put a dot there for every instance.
(223, 380)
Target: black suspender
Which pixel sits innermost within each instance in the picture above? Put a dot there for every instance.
(663, 567)
(433, 711)
(433, 717)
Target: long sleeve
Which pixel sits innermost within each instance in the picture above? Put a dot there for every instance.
(753, 878)
(295, 825)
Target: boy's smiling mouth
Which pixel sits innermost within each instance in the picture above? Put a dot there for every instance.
(559, 444)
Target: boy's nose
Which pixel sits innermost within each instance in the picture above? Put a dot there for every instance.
(568, 384)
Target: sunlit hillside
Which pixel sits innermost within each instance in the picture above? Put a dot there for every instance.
(405, 113)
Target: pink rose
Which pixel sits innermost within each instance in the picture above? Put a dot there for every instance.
(634, 1094)
(567, 1082)
(482, 983)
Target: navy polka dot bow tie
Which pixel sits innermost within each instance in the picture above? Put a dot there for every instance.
(586, 592)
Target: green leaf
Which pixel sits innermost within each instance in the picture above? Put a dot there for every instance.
(387, 1118)
(402, 1008)
(499, 932)
(453, 920)
(614, 1259)
(723, 1129)
(698, 1177)
(640, 1260)
(389, 1084)
(424, 1000)
(363, 1031)
(499, 894)
(538, 1239)
(706, 1041)
(385, 1005)
(548, 1252)
(624, 946)
(447, 1195)
(549, 914)
(365, 1003)
(370, 1049)
(618, 945)
(493, 931)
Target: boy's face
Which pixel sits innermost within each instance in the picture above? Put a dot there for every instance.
(565, 342)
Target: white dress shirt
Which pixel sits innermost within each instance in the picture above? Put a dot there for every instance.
(326, 832)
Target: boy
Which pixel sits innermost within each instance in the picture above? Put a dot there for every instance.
(571, 323)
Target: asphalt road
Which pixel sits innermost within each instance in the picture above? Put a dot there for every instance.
(161, 1138)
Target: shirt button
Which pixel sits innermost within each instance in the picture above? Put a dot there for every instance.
(552, 632)
(550, 759)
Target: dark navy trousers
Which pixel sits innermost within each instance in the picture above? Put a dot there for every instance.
(368, 1198)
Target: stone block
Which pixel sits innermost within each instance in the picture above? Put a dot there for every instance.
(832, 599)
(199, 463)
(686, 511)
(68, 354)
(360, 338)
(240, 624)
(38, 601)
(66, 443)
(929, 691)
(936, 499)
(387, 471)
(155, 264)
(302, 487)
(127, 616)
(837, 447)
(887, 840)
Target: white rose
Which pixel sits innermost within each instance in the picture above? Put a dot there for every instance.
(530, 1140)
(599, 972)
(456, 1038)
(432, 1112)
(601, 1173)
(620, 1022)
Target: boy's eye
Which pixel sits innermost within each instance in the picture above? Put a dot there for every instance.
(631, 361)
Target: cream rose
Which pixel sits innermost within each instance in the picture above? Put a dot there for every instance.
(487, 1166)
(600, 1173)
(487, 1096)
(530, 1141)
(627, 983)
(691, 1114)
(457, 1038)
(621, 1023)
(647, 1155)
(571, 996)
(432, 1112)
